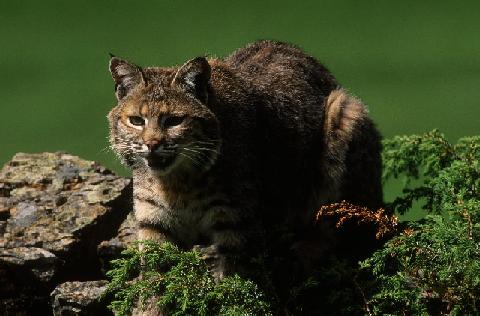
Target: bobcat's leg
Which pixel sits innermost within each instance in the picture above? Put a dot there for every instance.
(226, 230)
(150, 307)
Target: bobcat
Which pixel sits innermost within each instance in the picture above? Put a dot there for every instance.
(226, 151)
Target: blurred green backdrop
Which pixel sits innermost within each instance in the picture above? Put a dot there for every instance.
(415, 63)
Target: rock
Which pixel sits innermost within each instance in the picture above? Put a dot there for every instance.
(41, 263)
(27, 213)
(111, 249)
(26, 273)
(55, 190)
(79, 298)
(55, 209)
(61, 203)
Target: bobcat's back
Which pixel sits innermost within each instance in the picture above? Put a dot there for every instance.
(313, 138)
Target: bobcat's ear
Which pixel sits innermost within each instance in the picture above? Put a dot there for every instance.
(126, 76)
(193, 78)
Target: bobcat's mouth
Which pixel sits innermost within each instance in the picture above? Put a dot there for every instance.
(159, 162)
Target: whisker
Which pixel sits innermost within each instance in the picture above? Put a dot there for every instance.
(199, 157)
(204, 148)
(209, 157)
(196, 163)
(104, 149)
(212, 142)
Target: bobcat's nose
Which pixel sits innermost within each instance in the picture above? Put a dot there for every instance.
(152, 144)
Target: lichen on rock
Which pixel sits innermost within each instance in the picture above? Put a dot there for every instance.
(79, 298)
(55, 209)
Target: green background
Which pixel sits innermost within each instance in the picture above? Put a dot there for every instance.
(415, 63)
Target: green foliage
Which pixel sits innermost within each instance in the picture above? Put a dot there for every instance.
(433, 267)
(430, 268)
(180, 282)
(446, 173)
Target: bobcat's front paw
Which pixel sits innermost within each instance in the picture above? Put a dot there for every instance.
(216, 262)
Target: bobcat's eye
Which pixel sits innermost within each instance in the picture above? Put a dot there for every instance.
(170, 121)
(136, 120)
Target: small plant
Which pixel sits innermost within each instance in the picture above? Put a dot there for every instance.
(181, 283)
(433, 267)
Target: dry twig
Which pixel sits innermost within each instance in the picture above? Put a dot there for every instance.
(344, 211)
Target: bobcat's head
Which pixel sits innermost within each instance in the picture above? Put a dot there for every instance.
(162, 120)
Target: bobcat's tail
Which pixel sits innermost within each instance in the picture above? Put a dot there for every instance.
(343, 114)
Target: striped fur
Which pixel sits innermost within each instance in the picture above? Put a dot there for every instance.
(231, 149)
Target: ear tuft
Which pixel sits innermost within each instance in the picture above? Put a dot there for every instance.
(193, 78)
(126, 76)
